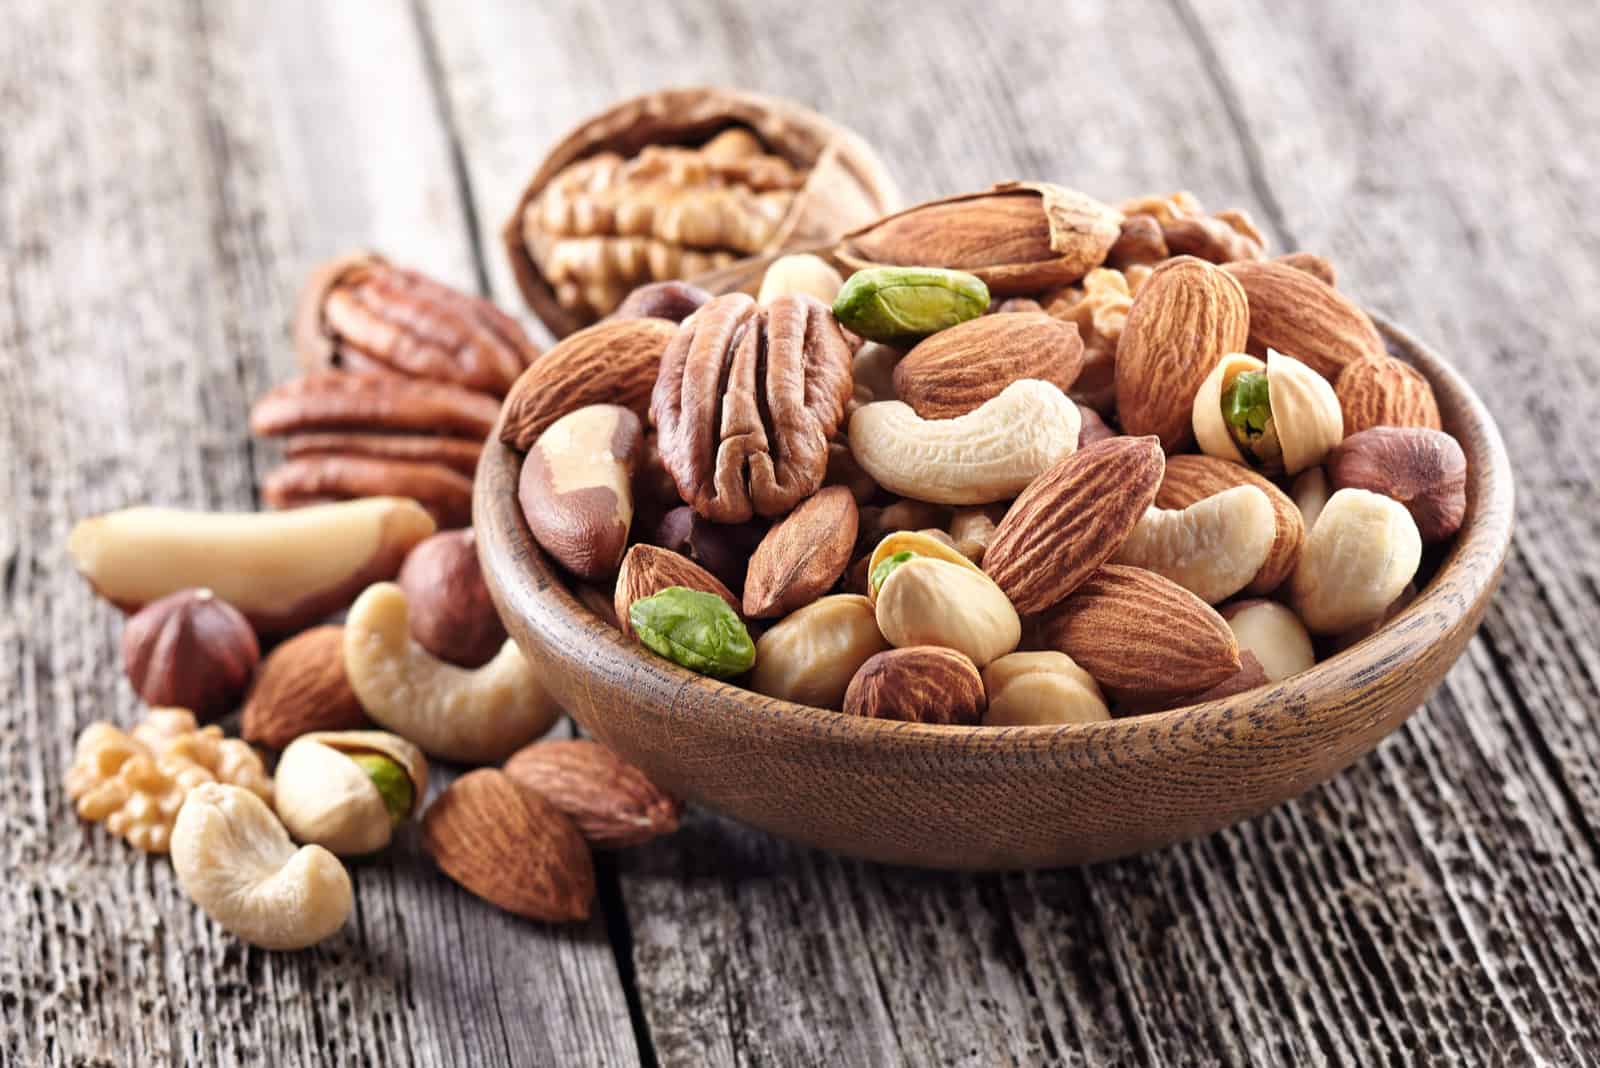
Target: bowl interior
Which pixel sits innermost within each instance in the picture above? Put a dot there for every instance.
(984, 797)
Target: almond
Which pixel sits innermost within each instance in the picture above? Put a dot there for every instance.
(510, 847)
(1142, 635)
(917, 684)
(956, 370)
(610, 800)
(1311, 263)
(1386, 392)
(1020, 238)
(1071, 519)
(301, 687)
(802, 556)
(608, 363)
(1300, 315)
(647, 570)
(1185, 318)
(1192, 477)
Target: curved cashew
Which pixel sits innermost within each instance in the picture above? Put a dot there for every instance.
(1360, 555)
(987, 455)
(1274, 634)
(1047, 687)
(474, 717)
(234, 859)
(1213, 548)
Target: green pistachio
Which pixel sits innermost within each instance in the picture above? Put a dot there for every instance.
(905, 303)
(880, 574)
(1247, 408)
(393, 784)
(695, 629)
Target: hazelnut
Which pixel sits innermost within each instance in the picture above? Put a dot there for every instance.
(721, 548)
(1423, 469)
(190, 650)
(452, 615)
(661, 300)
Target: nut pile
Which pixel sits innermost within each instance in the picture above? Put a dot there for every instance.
(1009, 457)
(1006, 458)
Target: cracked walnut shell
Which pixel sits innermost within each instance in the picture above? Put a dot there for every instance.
(135, 782)
(679, 182)
(746, 401)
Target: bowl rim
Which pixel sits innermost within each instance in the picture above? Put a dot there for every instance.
(1457, 591)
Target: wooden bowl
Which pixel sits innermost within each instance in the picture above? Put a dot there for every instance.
(1002, 797)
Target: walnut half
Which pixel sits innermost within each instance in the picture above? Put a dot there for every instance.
(746, 400)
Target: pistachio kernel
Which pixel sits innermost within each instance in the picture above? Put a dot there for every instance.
(880, 574)
(907, 303)
(393, 784)
(1247, 409)
(694, 629)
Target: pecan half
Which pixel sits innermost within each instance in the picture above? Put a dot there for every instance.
(445, 493)
(458, 454)
(336, 400)
(746, 401)
(359, 310)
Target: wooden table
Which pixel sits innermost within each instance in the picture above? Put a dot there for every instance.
(168, 172)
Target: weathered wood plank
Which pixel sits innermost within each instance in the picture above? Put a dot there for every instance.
(1436, 903)
(167, 174)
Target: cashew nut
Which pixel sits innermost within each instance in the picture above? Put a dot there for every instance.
(929, 601)
(813, 653)
(987, 455)
(1274, 634)
(235, 860)
(474, 717)
(1213, 548)
(1360, 554)
(1047, 687)
(283, 570)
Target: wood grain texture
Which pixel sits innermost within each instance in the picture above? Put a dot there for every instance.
(148, 227)
(168, 171)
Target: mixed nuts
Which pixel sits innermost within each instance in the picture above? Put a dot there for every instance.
(1010, 458)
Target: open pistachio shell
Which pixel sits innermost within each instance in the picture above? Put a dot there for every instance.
(1305, 410)
(922, 544)
(938, 602)
(1210, 428)
(325, 797)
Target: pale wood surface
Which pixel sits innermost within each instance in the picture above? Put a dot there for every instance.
(169, 170)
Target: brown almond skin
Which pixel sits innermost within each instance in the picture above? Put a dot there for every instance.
(511, 847)
(612, 802)
(1142, 635)
(803, 555)
(190, 650)
(1071, 519)
(954, 371)
(1423, 469)
(647, 570)
(301, 688)
(1299, 315)
(450, 611)
(584, 527)
(1193, 477)
(918, 684)
(1186, 317)
(1318, 267)
(613, 362)
(1248, 677)
(1386, 392)
(1092, 428)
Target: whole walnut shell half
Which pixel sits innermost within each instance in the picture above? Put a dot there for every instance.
(679, 182)
(190, 650)
(746, 400)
